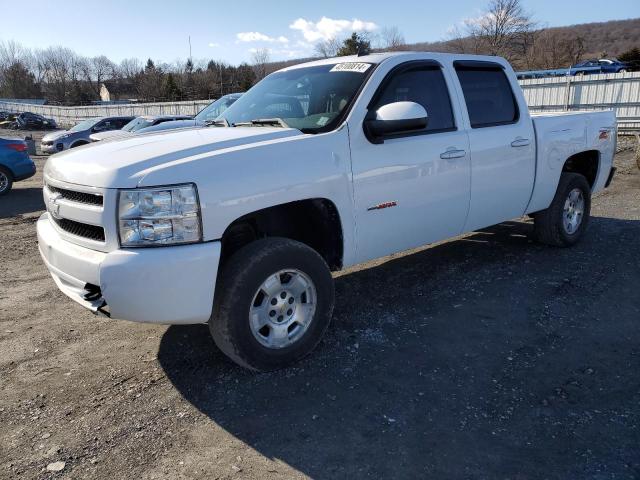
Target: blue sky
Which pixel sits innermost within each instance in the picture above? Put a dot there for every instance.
(229, 30)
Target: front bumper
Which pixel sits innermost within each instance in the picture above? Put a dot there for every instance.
(50, 149)
(168, 285)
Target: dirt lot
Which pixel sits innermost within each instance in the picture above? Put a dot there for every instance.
(485, 357)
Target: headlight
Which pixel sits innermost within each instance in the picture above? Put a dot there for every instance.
(159, 216)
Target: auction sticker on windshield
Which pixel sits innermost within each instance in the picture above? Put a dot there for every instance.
(351, 67)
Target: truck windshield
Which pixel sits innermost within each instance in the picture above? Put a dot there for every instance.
(310, 99)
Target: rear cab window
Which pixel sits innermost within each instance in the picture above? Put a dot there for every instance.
(487, 94)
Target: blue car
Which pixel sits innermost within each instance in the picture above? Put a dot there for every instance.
(15, 164)
(603, 65)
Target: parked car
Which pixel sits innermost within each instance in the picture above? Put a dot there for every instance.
(598, 66)
(15, 163)
(207, 114)
(8, 120)
(33, 121)
(80, 134)
(137, 124)
(318, 167)
(4, 115)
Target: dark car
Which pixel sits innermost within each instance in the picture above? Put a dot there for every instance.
(15, 164)
(207, 114)
(33, 121)
(603, 65)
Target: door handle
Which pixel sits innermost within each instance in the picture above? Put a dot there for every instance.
(452, 154)
(520, 142)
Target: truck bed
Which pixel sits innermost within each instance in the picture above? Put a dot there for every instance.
(559, 135)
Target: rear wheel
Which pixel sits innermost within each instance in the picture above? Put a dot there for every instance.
(273, 304)
(6, 181)
(566, 219)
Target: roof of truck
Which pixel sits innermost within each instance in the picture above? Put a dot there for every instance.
(380, 57)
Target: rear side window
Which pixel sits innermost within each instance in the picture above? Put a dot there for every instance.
(424, 85)
(488, 96)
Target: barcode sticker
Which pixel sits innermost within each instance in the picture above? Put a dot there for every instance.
(358, 67)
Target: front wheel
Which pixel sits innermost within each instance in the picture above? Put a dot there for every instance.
(273, 304)
(566, 219)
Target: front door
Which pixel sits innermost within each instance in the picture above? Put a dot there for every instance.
(414, 188)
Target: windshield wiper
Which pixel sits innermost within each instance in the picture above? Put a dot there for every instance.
(257, 122)
(218, 122)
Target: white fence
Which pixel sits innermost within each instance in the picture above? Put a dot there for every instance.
(65, 116)
(619, 91)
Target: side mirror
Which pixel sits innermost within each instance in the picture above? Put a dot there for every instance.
(394, 118)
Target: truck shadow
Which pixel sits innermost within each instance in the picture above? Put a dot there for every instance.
(469, 359)
(20, 201)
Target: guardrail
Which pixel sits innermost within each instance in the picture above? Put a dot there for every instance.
(66, 116)
(617, 91)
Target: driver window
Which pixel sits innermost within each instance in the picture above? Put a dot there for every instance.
(424, 85)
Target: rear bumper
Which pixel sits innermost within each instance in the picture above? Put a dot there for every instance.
(612, 172)
(25, 170)
(168, 285)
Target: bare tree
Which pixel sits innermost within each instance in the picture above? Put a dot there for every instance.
(391, 39)
(96, 70)
(260, 58)
(129, 68)
(504, 29)
(328, 48)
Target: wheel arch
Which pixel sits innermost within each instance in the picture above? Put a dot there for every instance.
(586, 163)
(79, 143)
(316, 222)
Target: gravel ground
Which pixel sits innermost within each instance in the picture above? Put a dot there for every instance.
(488, 356)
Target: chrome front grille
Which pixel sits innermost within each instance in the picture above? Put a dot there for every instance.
(92, 232)
(82, 214)
(79, 197)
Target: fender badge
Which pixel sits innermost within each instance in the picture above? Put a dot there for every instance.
(380, 206)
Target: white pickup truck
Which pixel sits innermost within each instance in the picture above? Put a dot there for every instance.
(318, 167)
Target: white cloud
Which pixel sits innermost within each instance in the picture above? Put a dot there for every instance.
(214, 45)
(328, 28)
(260, 37)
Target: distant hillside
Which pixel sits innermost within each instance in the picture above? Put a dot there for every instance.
(586, 40)
(555, 47)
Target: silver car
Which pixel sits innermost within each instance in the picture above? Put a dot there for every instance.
(79, 135)
(136, 124)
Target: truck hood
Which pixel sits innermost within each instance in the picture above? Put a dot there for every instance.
(122, 164)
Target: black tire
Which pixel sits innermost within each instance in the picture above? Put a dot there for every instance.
(548, 224)
(5, 174)
(238, 283)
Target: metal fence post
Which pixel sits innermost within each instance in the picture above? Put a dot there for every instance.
(567, 93)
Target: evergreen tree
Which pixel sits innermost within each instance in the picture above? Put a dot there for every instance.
(171, 91)
(354, 45)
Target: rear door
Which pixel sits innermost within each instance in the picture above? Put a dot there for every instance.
(502, 144)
